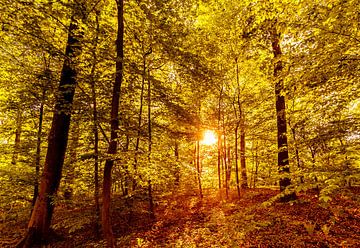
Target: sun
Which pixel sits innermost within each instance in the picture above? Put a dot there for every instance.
(209, 138)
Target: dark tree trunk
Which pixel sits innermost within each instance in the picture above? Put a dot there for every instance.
(149, 113)
(151, 201)
(225, 167)
(114, 122)
(228, 174)
(95, 124)
(177, 166)
(137, 144)
(126, 168)
(219, 139)
(297, 156)
(236, 162)
(198, 168)
(313, 161)
(219, 157)
(241, 124)
(256, 167)
(244, 183)
(38, 150)
(39, 224)
(283, 155)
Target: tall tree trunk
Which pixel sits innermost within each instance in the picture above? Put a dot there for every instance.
(151, 201)
(38, 149)
(244, 183)
(139, 123)
(256, 166)
(228, 173)
(39, 224)
(219, 139)
(219, 142)
(241, 124)
(114, 122)
(195, 162)
(198, 167)
(126, 167)
(137, 144)
(283, 155)
(313, 161)
(236, 162)
(95, 124)
(297, 156)
(17, 144)
(177, 166)
(225, 166)
(149, 114)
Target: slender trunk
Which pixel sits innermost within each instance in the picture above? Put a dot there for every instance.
(39, 224)
(223, 151)
(228, 174)
(177, 167)
(313, 161)
(139, 122)
(297, 156)
(114, 122)
(17, 136)
(195, 161)
(137, 144)
(38, 150)
(283, 155)
(95, 125)
(126, 168)
(241, 123)
(151, 201)
(198, 168)
(219, 139)
(149, 113)
(236, 162)
(244, 183)
(225, 167)
(256, 167)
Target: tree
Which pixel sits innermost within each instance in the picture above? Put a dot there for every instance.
(39, 224)
(114, 122)
(283, 155)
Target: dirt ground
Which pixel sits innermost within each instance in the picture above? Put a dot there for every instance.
(185, 220)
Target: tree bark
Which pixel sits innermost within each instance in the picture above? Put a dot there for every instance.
(114, 122)
(137, 144)
(219, 139)
(151, 201)
(198, 167)
(38, 149)
(95, 125)
(241, 124)
(283, 155)
(244, 183)
(39, 224)
(177, 166)
(228, 174)
(236, 162)
(225, 167)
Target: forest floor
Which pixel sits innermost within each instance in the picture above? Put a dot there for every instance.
(183, 220)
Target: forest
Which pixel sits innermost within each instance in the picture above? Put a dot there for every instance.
(179, 123)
